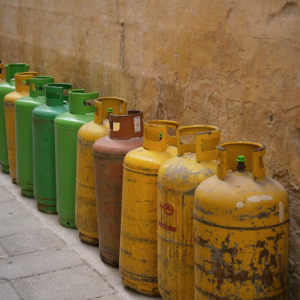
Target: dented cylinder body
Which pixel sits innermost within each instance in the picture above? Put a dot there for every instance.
(109, 153)
(23, 120)
(22, 90)
(138, 246)
(241, 223)
(178, 178)
(85, 208)
(6, 87)
(66, 127)
(44, 145)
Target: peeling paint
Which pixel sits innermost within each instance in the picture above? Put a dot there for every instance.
(239, 205)
(258, 198)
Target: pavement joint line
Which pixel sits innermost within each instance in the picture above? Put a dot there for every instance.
(15, 235)
(16, 291)
(43, 273)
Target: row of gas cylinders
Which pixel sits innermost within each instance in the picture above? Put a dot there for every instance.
(182, 215)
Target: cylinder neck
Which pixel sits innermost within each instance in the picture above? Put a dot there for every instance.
(241, 152)
(118, 106)
(78, 104)
(12, 69)
(56, 93)
(2, 74)
(37, 85)
(156, 135)
(126, 127)
(22, 81)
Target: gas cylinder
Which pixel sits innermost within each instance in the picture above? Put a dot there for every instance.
(138, 245)
(7, 87)
(125, 134)
(43, 116)
(66, 127)
(22, 90)
(23, 120)
(85, 208)
(2, 74)
(241, 223)
(178, 178)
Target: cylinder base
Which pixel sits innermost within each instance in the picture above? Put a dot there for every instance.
(67, 223)
(88, 240)
(5, 169)
(14, 180)
(46, 208)
(109, 258)
(142, 288)
(27, 193)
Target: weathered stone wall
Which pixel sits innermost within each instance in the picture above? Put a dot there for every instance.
(234, 64)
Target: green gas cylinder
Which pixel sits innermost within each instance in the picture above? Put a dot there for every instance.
(66, 127)
(23, 119)
(43, 116)
(6, 87)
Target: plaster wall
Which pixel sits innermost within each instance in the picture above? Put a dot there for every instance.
(234, 64)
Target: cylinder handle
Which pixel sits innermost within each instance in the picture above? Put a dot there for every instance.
(55, 93)
(156, 136)
(118, 106)
(22, 80)
(206, 140)
(253, 156)
(77, 100)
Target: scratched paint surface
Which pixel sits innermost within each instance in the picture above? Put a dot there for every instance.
(241, 239)
(138, 248)
(177, 180)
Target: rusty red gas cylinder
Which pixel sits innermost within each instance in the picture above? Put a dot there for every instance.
(126, 133)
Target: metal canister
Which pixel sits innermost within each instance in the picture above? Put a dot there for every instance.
(22, 90)
(178, 178)
(6, 87)
(125, 134)
(66, 127)
(241, 226)
(85, 208)
(23, 121)
(43, 116)
(138, 245)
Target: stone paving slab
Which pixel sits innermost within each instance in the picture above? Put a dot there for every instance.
(30, 242)
(16, 226)
(78, 283)
(7, 292)
(37, 263)
(2, 253)
(12, 209)
(5, 195)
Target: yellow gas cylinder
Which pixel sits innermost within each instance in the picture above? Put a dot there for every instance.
(2, 74)
(22, 89)
(178, 178)
(85, 206)
(138, 243)
(241, 223)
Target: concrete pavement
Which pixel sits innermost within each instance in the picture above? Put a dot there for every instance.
(41, 260)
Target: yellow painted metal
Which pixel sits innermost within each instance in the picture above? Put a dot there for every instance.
(2, 74)
(178, 178)
(138, 243)
(241, 223)
(22, 89)
(85, 207)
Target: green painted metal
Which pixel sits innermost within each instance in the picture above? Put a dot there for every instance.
(43, 116)
(23, 119)
(67, 126)
(6, 87)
